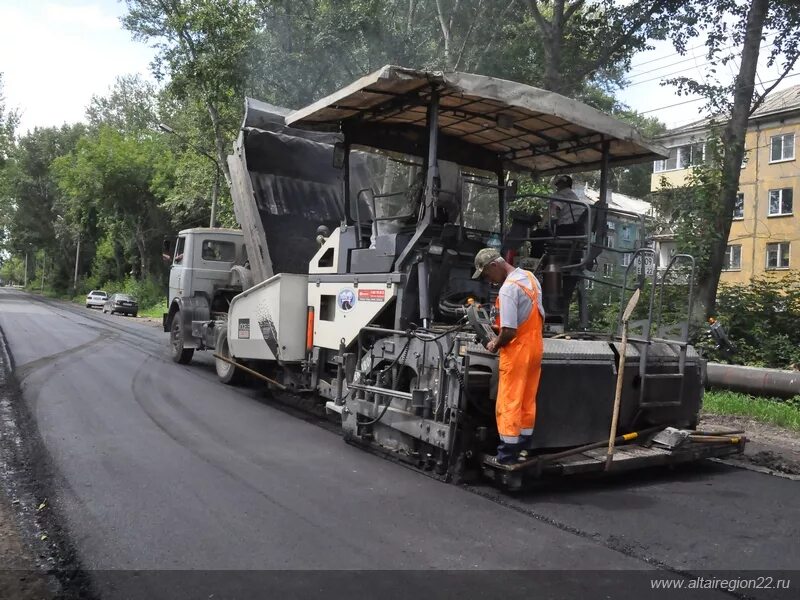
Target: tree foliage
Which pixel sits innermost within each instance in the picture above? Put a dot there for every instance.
(117, 175)
(118, 184)
(761, 320)
(729, 25)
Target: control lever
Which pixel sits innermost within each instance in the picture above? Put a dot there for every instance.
(481, 322)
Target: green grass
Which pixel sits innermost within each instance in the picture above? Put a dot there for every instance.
(784, 413)
(154, 312)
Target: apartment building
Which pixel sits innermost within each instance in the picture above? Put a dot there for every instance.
(765, 234)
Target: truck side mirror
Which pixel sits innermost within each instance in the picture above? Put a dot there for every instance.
(338, 155)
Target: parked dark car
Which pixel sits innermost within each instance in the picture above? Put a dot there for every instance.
(121, 303)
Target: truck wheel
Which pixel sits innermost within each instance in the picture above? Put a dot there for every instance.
(179, 354)
(227, 373)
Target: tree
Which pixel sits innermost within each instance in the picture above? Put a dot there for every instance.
(727, 24)
(581, 40)
(36, 205)
(203, 48)
(9, 119)
(130, 106)
(116, 175)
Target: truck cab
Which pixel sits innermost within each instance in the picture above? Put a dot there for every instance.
(208, 267)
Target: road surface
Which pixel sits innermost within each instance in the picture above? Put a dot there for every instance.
(158, 467)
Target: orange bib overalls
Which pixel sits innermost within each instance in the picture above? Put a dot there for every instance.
(520, 370)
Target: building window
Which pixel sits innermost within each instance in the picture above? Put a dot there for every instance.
(589, 284)
(681, 157)
(692, 154)
(626, 233)
(780, 202)
(738, 208)
(626, 259)
(782, 147)
(608, 269)
(733, 258)
(745, 158)
(778, 256)
(608, 242)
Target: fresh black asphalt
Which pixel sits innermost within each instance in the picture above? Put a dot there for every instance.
(169, 484)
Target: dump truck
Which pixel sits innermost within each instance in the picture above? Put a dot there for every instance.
(350, 283)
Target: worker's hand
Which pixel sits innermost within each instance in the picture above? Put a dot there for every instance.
(492, 346)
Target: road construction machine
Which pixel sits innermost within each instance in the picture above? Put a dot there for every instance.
(350, 279)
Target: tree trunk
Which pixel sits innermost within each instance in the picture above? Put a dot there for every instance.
(733, 138)
(141, 245)
(445, 26)
(219, 141)
(552, 33)
(553, 74)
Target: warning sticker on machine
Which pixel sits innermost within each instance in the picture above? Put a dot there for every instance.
(244, 329)
(372, 295)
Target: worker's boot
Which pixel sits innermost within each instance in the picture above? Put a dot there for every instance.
(507, 453)
(525, 445)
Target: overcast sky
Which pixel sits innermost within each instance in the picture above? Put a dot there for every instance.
(56, 54)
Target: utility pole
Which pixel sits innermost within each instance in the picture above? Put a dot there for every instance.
(77, 262)
(215, 191)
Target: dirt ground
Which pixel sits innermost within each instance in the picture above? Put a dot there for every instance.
(768, 446)
(21, 577)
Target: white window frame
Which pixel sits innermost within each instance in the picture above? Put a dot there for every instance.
(627, 234)
(626, 259)
(730, 251)
(608, 270)
(784, 250)
(780, 212)
(784, 157)
(609, 241)
(739, 197)
(589, 284)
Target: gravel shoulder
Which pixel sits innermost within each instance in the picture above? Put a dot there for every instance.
(768, 446)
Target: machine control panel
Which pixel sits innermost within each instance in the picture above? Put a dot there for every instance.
(481, 323)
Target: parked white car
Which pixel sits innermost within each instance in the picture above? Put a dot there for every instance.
(96, 299)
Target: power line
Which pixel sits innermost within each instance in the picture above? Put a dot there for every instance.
(676, 53)
(677, 62)
(644, 112)
(705, 62)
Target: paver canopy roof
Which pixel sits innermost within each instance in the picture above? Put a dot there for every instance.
(484, 122)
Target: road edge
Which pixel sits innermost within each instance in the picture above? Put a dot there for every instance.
(28, 479)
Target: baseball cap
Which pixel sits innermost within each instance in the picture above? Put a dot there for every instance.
(482, 259)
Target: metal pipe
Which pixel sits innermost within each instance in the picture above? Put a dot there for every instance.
(339, 375)
(424, 301)
(374, 389)
(754, 380)
(256, 374)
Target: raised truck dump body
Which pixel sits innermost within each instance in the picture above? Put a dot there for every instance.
(361, 215)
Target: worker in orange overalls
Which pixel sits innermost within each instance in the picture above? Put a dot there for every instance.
(520, 322)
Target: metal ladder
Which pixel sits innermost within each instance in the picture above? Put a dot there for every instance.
(675, 336)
